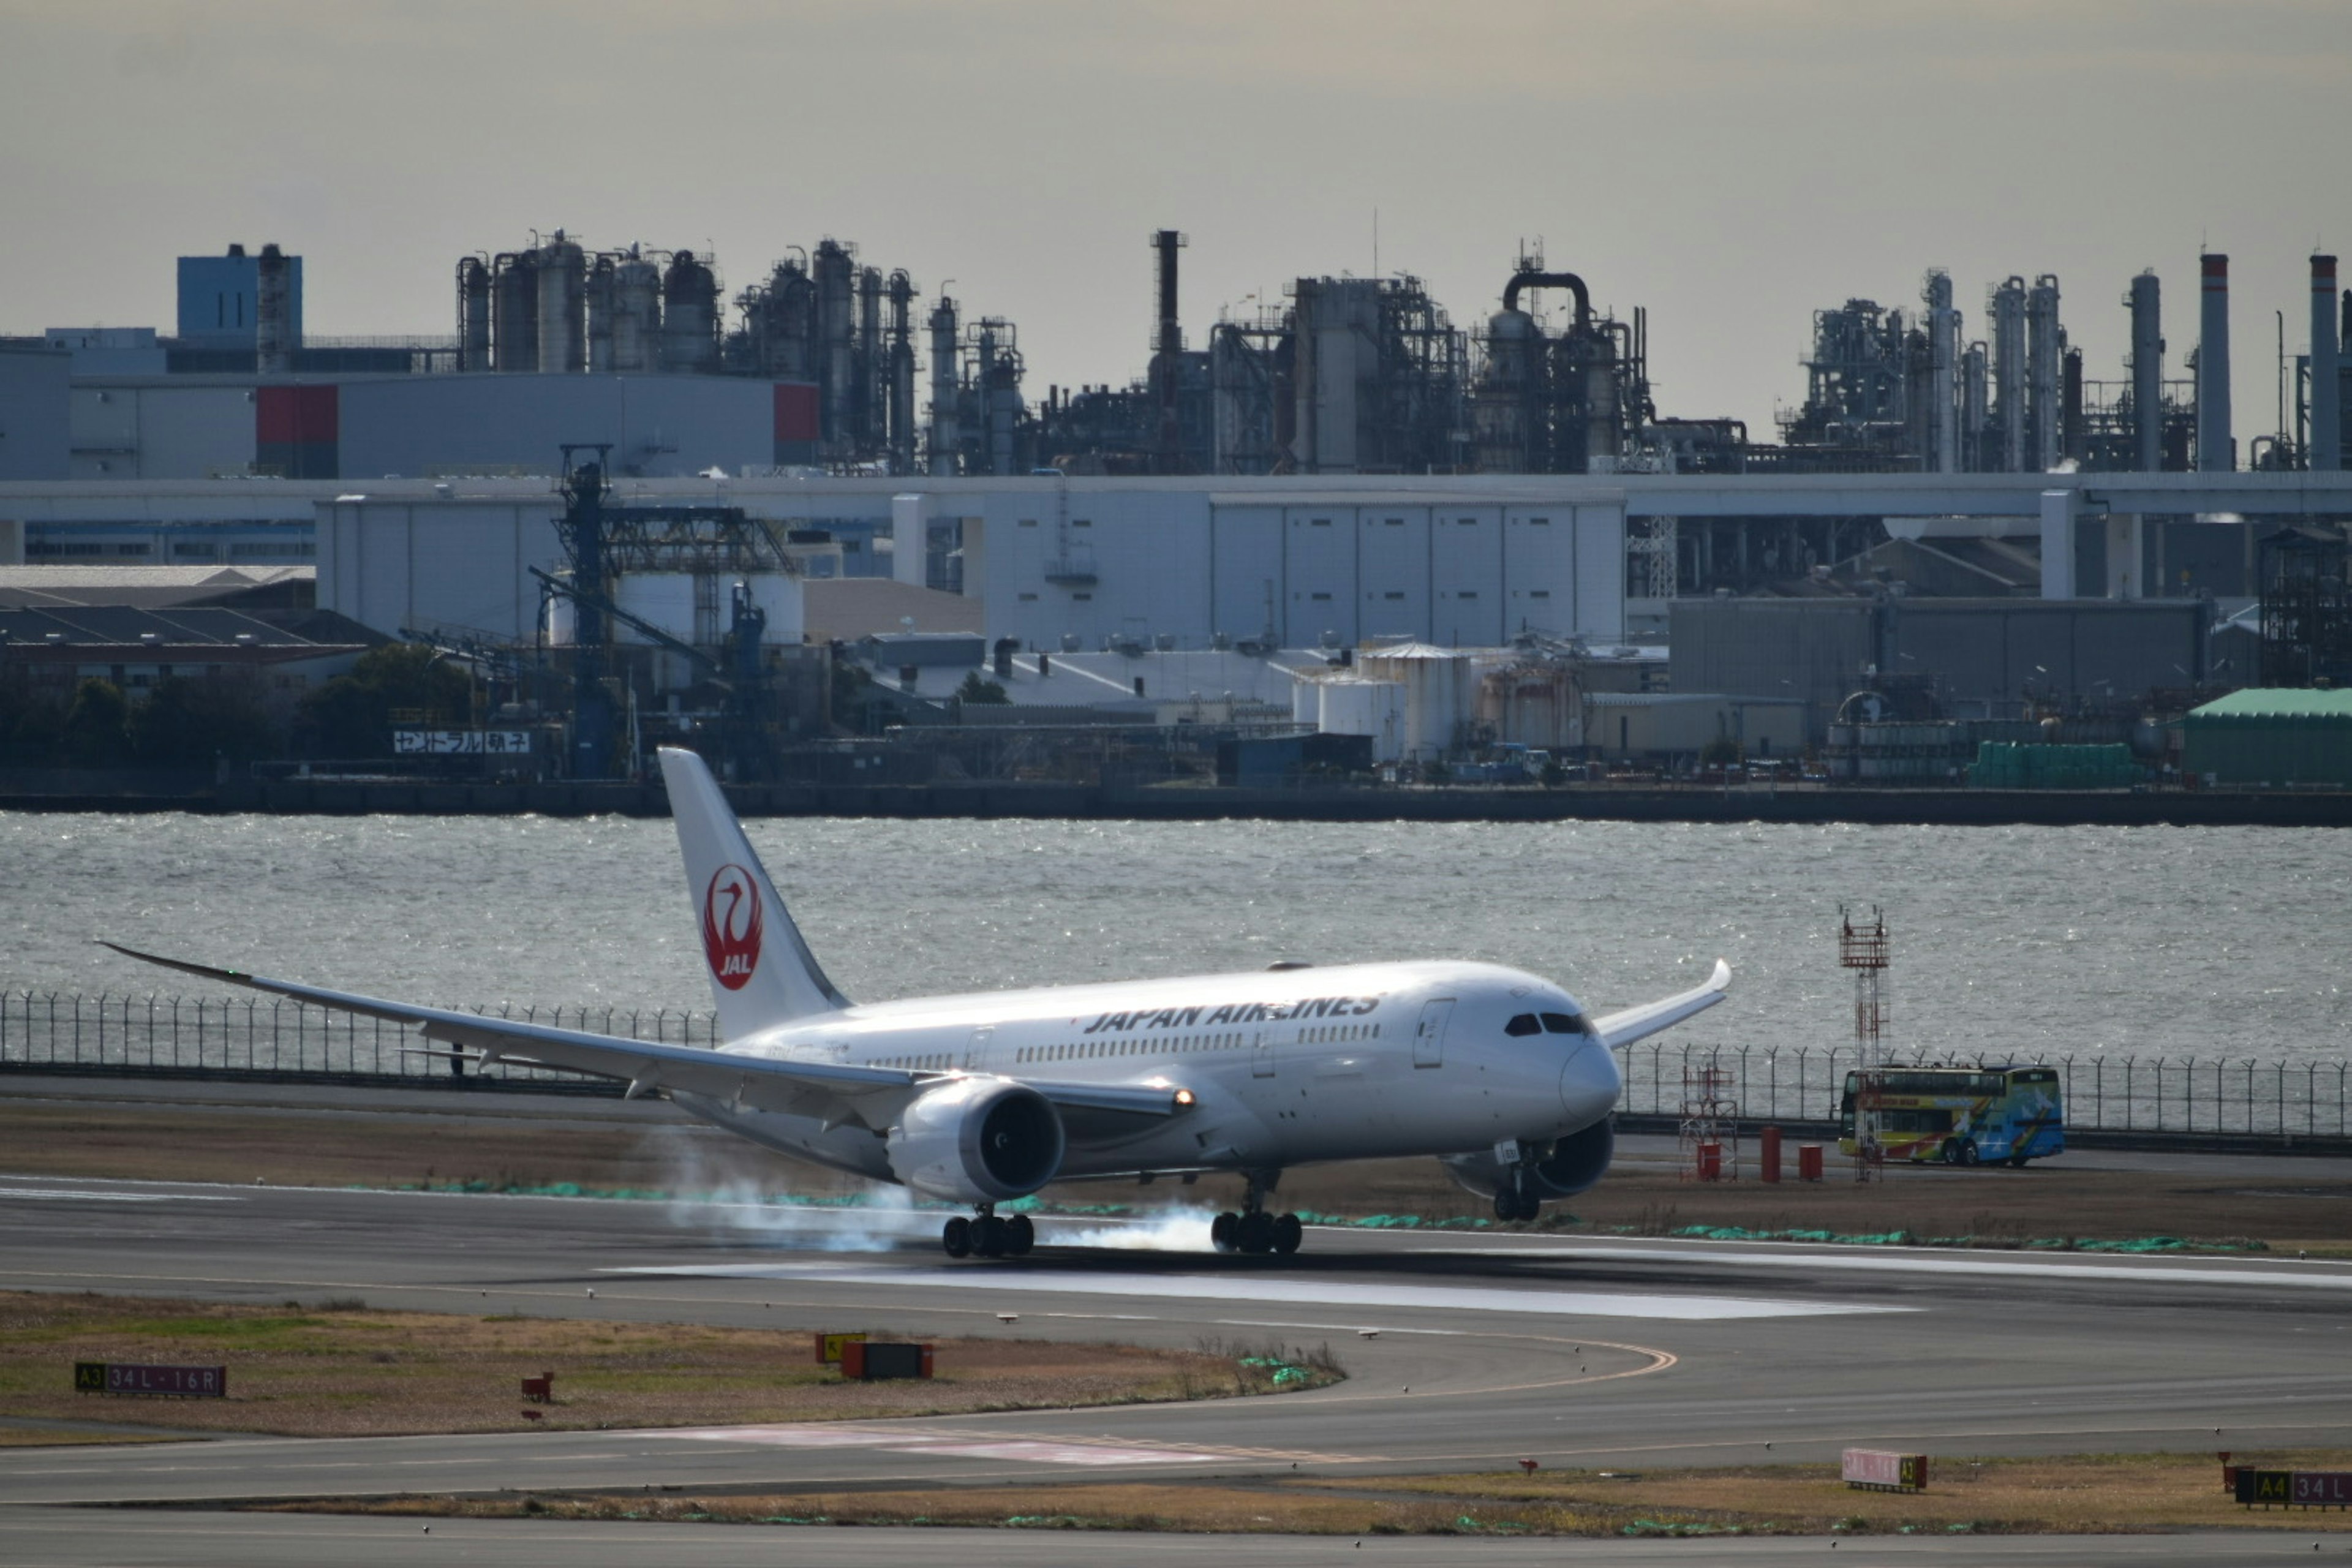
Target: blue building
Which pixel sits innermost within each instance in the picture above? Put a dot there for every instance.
(220, 299)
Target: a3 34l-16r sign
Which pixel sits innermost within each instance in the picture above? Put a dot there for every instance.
(131, 1377)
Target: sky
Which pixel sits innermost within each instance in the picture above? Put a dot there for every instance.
(1733, 166)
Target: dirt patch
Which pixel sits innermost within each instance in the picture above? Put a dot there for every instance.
(2081, 1495)
(333, 1369)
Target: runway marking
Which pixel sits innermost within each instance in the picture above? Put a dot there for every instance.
(2308, 1277)
(1059, 1454)
(1300, 1293)
(967, 1444)
(87, 1195)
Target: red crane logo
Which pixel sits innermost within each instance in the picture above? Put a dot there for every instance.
(731, 921)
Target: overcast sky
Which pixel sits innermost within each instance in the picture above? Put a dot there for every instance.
(1731, 164)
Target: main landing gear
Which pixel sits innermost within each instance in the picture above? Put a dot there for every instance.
(1254, 1230)
(988, 1236)
(1517, 1202)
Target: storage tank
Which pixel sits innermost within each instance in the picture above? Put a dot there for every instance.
(1306, 703)
(689, 321)
(636, 316)
(602, 299)
(668, 600)
(563, 289)
(1374, 708)
(780, 596)
(514, 312)
(1435, 680)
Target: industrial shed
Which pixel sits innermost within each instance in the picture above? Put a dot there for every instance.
(2270, 737)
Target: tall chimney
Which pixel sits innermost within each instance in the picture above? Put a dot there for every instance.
(2326, 402)
(2147, 371)
(1167, 358)
(2216, 452)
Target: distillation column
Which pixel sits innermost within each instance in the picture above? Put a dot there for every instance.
(945, 436)
(1943, 369)
(2045, 343)
(2009, 373)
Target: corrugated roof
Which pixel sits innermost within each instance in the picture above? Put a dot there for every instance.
(2279, 702)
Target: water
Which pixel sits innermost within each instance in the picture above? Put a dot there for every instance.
(2007, 942)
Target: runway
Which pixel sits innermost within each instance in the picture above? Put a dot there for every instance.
(1463, 1351)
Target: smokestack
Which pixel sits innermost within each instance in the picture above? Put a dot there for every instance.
(2147, 371)
(2216, 452)
(1167, 354)
(2327, 399)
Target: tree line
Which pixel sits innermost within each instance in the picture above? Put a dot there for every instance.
(235, 716)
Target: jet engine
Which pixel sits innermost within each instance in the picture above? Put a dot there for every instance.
(977, 1140)
(1575, 1163)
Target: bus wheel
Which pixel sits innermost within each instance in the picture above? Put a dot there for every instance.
(1967, 1152)
(1951, 1151)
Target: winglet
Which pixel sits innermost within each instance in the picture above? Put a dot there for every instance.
(1637, 1022)
(761, 972)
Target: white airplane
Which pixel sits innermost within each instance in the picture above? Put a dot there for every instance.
(984, 1099)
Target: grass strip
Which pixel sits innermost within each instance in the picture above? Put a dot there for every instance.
(337, 1368)
(2070, 1495)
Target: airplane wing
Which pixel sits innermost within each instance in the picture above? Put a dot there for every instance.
(1637, 1022)
(837, 1093)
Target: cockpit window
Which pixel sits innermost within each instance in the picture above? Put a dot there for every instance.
(1563, 1024)
(1525, 1024)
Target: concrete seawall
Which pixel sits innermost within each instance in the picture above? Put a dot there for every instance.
(1948, 808)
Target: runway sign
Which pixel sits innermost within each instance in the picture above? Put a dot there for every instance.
(2295, 1489)
(130, 1377)
(1877, 1471)
(829, 1347)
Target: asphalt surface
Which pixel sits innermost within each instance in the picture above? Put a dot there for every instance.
(1466, 1352)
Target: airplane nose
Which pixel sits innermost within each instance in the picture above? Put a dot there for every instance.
(1589, 1084)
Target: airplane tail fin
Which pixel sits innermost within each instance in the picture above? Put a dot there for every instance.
(761, 972)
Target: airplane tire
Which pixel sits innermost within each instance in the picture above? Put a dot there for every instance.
(1221, 1229)
(988, 1236)
(956, 1237)
(1020, 1236)
(1287, 1233)
(1507, 1204)
(1255, 1232)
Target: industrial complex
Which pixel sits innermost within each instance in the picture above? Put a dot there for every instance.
(629, 508)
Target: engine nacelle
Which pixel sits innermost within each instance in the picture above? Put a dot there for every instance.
(978, 1140)
(1576, 1162)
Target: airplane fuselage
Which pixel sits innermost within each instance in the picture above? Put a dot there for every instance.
(1285, 1066)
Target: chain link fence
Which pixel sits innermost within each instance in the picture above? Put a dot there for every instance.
(266, 1037)
(2240, 1096)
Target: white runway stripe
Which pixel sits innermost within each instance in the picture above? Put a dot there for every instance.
(1261, 1289)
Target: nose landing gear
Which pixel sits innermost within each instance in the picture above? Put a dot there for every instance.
(1254, 1230)
(1517, 1201)
(988, 1236)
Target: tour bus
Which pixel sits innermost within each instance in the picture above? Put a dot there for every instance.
(1962, 1115)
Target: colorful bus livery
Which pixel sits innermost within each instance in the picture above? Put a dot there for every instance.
(1962, 1115)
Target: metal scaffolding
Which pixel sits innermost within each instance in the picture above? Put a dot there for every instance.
(1862, 950)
